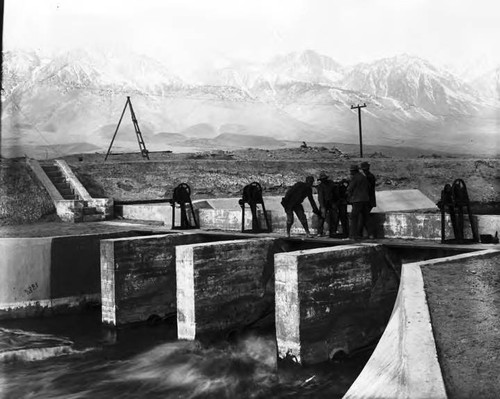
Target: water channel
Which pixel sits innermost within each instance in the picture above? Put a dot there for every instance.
(146, 361)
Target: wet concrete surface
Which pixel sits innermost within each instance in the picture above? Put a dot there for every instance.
(55, 229)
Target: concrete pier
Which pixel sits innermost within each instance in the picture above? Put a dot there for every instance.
(332, 300)
(138, 276)
(221, 285)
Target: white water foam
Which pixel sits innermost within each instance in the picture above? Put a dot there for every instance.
(20, 345)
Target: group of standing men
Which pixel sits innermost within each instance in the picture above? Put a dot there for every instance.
(333, 198)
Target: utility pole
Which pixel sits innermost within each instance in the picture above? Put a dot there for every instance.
(360, 131)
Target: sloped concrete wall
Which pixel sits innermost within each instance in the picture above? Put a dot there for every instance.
(160, 212)
(405, 362)
(157, 212)
(332, 299)
(55, 195)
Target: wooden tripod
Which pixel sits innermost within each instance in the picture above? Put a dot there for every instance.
(140, 140)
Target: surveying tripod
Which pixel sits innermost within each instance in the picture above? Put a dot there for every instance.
(140, 140)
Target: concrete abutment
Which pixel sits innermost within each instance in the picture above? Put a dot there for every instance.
(138, 275)
(332, 299)
(223, 285)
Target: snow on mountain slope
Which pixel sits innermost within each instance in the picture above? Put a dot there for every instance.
(80, 95)
(18, 67)
(415, 82)
(488, 84)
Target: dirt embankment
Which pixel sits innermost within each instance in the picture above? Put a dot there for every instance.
(225, 174)
(22, 198)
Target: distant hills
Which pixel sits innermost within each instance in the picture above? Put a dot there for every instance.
(78, 97)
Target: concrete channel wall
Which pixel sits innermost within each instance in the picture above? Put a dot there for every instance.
(405, 214)
(405, 362)
(223, 285)
(423, 226)
(37, 274)
(331, 300)
(50, 274)
(138, 275)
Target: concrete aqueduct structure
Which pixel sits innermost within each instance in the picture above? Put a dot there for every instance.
(324, 296)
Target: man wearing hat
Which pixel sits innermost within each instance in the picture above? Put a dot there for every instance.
(327, 203)
(341, 204)
(365, 167)
(292, 202)
(358, 196)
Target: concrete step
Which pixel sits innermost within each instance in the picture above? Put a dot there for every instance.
(91, 211)
(58, 180)
(63, 186)
(54, 174)
(93, 218)
(50, 168)
(66, 192)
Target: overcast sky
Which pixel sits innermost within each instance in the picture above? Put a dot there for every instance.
(187, 32)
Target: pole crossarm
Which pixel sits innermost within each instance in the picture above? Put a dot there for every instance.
(358, 107)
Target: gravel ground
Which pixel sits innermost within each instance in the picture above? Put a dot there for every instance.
(464, 302)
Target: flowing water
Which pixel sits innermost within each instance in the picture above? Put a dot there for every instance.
(146, 361)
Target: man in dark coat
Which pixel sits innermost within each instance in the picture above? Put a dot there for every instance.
(365, 167)
(341, 202)
(327, 203)
(358, 196)
(292, 202)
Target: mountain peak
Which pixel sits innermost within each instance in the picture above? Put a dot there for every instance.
(307, 58)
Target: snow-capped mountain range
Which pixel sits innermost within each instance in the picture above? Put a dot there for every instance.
(78, 96)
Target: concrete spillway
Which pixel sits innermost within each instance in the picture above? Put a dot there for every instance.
(321, 290)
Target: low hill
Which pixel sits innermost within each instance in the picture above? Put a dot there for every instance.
(167, 138)
(239, 140)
